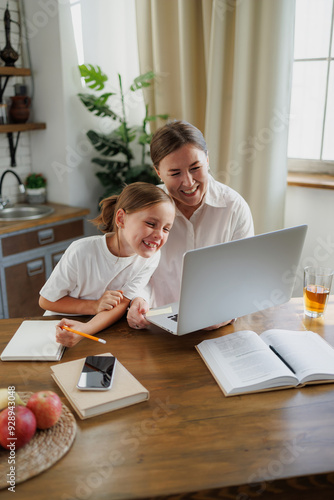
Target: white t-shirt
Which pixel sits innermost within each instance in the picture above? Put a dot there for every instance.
(88, 268)
(223, 216)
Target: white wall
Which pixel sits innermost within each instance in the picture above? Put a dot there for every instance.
(62, 152)
(314, 207)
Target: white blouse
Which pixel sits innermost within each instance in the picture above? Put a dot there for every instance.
(223, 216)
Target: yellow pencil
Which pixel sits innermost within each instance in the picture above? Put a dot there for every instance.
(84, 334)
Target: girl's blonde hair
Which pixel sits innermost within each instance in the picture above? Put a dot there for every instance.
(134, 197)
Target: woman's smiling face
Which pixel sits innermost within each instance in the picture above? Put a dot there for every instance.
(185, 175)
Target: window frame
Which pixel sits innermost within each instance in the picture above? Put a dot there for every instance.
(319, 166)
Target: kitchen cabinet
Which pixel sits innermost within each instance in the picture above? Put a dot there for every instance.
(27, 258)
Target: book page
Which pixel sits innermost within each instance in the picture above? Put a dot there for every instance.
(242, 362)
(307, 353)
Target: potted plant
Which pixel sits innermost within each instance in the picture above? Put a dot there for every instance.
(35, 185)
(117, 158)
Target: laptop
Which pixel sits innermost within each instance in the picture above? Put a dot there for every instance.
(232, 279)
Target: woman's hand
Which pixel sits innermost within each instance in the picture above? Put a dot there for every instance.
(135, 317)
(69, 339)
(109, 300)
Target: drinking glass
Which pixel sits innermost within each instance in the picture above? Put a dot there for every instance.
(317, 286)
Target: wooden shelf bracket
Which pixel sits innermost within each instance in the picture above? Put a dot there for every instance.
(13, 147)
(2, 87)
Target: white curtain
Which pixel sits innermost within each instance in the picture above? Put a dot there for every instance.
(226, 67)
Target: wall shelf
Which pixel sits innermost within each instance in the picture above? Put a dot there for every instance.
(12, 71)
(10, 128)
(7, 72)
(21, 127)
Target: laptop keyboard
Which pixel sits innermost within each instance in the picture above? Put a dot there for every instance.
(173, 317)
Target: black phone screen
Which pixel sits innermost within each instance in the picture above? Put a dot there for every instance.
(97, 373)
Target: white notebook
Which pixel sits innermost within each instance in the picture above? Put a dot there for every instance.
(34, 341)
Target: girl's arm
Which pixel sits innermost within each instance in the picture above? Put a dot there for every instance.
(101, 321)
(71, 305)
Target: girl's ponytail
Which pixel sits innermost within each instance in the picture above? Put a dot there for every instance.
(105, 220)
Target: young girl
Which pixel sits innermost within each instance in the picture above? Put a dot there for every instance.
(100, 275)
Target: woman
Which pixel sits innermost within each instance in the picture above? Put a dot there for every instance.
(208, 212)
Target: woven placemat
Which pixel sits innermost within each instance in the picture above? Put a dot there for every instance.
(44, 450)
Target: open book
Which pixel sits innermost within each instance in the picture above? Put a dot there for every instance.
(244, 362)
(126, 390)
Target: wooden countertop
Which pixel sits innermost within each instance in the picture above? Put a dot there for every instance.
(61, 212)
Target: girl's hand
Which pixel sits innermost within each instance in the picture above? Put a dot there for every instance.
(136, 318)
(69, 339)
(109, 300)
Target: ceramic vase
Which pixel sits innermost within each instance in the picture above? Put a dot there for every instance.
(36, 196)
(20, 108)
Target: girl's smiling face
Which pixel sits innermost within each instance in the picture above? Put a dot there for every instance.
(144, 232)
(185, 175)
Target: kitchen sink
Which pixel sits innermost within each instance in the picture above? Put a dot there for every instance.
(24, 212)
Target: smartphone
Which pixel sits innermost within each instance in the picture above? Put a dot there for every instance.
(97, 373)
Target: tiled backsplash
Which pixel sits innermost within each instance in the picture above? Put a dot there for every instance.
(23, 154)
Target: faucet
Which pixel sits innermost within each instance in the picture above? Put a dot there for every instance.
(3, 202)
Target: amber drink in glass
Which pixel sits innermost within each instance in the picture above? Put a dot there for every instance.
(317, 286)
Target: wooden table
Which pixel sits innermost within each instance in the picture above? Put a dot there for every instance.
(188, 440)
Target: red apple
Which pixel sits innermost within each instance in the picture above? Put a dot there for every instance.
(47, 408)
(17, 427)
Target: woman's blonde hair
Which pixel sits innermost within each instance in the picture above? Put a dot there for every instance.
(134, 197)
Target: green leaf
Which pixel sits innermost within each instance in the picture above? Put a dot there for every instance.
(154, 117)
(112, 190)
(112, 166)
(142, 81)
(97, 106)
(106, 180)
(108, 145)
(124, 132)
(93, 76)
(145, 139)
(35, 181)
(113, 177)
(115, 173)
(142, 173)
(102, 99)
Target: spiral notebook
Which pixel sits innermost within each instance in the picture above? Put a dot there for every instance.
(34, 340)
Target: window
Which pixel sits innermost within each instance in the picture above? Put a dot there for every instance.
(77, 28)
(311, 131)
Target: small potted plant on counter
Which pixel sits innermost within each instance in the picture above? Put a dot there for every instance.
(36, 188)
